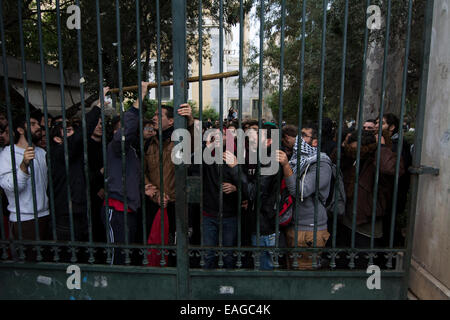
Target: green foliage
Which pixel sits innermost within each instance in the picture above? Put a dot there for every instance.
(128, 27)
(208, 113)
(333, 54)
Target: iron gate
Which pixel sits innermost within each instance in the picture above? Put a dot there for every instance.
(43, 279)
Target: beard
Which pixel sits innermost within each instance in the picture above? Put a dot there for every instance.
(36, 136)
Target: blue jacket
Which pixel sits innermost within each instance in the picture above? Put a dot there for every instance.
(133, 165)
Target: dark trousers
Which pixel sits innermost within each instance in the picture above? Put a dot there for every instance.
(211, 227)
(116, 231)
(29, 233)
(343, 239)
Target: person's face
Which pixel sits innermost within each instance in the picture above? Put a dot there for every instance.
(288, 141)
(165, 122)
(4, 137)
(98, 131)
(36, 130)
(369, 126)
(3, 120)
(43, 142)
(307, 135)
(148, 131)
(385, 126)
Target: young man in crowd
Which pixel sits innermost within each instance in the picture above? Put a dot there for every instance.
(388, 158)
(76, 179)
(25, 153)
(96, 181)
(390, 124)
(4, 136)
(268, 195)
(306, 146)
(211, 203)
(369, 125)
(114, 218)
(288, 136)
(152, 164)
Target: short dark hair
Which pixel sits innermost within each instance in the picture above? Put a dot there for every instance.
(371, 120)
(392, 120)
(20, 122)
(146, 122)
(233, 124)
(252, 123)
(313, 126)
(289, 130)
(169, 110)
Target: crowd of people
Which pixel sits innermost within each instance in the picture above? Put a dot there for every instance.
(66, 188)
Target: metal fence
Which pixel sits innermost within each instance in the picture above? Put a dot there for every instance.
(189, 281)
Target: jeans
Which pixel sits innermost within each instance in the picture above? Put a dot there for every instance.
(211, 238)
(266, 258)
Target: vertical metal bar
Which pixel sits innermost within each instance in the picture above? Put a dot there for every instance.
(161, 167)
(300, 119)
(179, 65)
(280, 120)
(89, 250)
(141, 130)
(339, 136)
(239, 186)
(2, 233)
(428, 29)
(102, 104)
(220, 263)
(11, 136)
(47, 132)
(200, 103)
(380, 132)
(29, 137)
(260, 97)
(319, 133)
(358, 150)
(122, 130)
(63, 112)
(400, 139)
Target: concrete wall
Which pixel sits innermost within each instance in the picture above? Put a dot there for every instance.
(430, 273)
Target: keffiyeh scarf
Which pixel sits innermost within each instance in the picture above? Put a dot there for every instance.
(306, 151)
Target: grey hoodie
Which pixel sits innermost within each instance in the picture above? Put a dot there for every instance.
(307, 185)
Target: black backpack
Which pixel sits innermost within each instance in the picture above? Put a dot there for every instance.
(335, 196)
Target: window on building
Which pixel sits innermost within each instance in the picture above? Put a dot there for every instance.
(255, 103)
(165, 91)
(234, 103)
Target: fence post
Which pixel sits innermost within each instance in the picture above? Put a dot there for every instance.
(418, 139)
(179, 83)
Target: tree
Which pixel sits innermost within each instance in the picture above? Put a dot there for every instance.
(129, 56)
(333, 55)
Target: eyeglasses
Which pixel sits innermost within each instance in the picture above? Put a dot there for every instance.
(148, 129)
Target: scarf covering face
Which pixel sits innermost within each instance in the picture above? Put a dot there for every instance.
(306, 151)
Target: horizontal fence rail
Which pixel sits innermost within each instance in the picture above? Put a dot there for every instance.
(99, 191)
